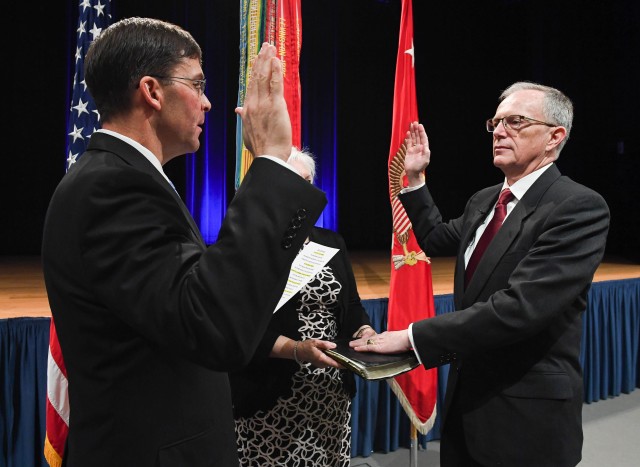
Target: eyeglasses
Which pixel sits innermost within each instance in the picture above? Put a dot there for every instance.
(198, 84)
(514, 122)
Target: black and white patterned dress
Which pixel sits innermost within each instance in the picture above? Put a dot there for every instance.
(311, 427)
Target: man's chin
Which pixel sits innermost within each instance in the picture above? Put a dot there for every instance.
(499, 160)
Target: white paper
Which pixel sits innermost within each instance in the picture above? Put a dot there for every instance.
(307, 264)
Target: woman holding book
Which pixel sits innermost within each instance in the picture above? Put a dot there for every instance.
(292, 404)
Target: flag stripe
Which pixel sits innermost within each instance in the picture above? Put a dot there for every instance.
(252, 25)
(288, 43)
(278, 22)
(57, 385)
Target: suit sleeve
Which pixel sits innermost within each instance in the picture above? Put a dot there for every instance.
(539, 285)
(434, 236)
(212, 304)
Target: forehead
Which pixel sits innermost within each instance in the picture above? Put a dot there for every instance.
(527, 102)
(189, 66)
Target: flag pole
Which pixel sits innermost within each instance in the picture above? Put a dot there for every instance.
(413, 451)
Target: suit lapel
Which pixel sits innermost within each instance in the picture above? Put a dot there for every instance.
(508, 232)
(129, 154)
(475, 219)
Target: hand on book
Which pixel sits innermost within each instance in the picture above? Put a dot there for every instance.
(312, 351)
(385, 342)
(373, 366)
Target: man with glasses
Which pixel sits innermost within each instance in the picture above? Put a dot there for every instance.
(527, 250)
(149, 318)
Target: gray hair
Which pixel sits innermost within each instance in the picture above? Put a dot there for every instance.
(557, 107)
(306, 158)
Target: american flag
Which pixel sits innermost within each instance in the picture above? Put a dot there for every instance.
(94, 16)
(84, 119)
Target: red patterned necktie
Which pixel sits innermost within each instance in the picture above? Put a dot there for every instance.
(499, 214)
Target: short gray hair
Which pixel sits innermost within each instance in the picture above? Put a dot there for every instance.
(557, 107)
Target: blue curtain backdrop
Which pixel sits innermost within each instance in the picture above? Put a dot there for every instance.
(319, 81)
(208, 186)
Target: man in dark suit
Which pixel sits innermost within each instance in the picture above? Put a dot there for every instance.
(514, 394)
(149, 318)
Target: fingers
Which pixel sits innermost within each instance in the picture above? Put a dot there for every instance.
(417, 135)
(321, 345)
(325, 361)
(312, 351)
(368, 333)
(417, 147)
(266, 74)
(276, 83)
(259, 85)
(266, 127)
(385, 342)
(261, 70)
(414, 137)
(368, 343)
(422, 136)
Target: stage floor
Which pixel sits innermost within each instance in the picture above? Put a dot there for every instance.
(373, 269)
(22, 291)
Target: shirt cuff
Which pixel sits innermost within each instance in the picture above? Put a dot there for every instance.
(413, 346)
(281, 162)
(411, 188)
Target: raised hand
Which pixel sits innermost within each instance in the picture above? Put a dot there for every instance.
(266, 127)
(418, 154)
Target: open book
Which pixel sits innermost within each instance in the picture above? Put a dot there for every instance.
(372, 366)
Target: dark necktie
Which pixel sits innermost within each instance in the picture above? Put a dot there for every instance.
(499, 214)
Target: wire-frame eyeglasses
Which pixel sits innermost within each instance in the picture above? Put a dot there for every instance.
(514, 122)
(198, 84)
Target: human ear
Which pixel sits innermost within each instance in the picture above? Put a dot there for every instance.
(557, 135)
(151, 91)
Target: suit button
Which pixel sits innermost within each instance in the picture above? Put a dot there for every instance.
(286, 243)
(301, 213)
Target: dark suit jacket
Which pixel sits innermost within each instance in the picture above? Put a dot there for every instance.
(266, 379)
(514, 343)
(149, 319)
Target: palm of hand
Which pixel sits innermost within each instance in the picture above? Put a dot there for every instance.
(416, 158)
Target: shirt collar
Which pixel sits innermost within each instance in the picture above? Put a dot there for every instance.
(144, 151)
(520, 187)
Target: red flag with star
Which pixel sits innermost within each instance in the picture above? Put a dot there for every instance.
(410, 288)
